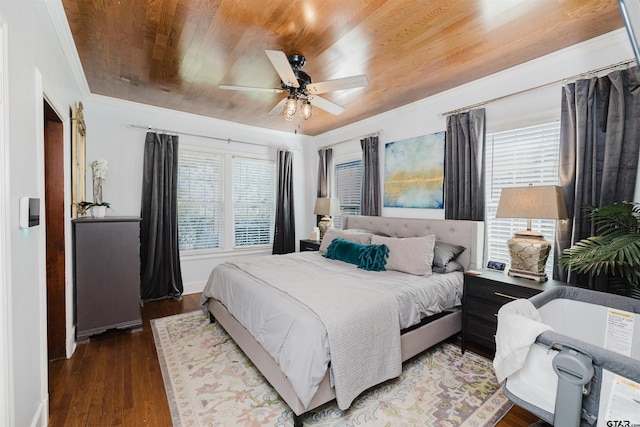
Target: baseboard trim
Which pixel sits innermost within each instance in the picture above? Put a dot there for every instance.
(193, 287)
(41, 417)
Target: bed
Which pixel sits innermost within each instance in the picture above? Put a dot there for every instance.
(263, 304)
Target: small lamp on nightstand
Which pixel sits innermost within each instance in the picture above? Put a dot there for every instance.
(528, 249)
(327, 206)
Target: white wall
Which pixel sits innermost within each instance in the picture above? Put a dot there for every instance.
(110, 136)
(538, 106)
(36, 68)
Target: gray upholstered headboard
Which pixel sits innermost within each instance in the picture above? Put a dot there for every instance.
(469, 234)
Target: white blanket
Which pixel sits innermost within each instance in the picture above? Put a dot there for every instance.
(519, 324)
(361, 319)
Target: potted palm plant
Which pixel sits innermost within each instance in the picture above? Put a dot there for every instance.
(614, 250)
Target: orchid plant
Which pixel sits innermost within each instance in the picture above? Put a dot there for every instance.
(99, 170)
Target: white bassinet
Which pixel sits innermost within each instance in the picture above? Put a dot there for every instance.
(585, 369)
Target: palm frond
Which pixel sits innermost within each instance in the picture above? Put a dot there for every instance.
(614, 250)
(616, 219)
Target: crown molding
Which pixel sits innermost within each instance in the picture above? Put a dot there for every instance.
(604, 50)
(236, 129)
(63, 32)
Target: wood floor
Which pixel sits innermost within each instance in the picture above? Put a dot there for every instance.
(115, 379)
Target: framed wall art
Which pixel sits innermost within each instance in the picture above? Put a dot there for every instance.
(78, 160)
(414, 172)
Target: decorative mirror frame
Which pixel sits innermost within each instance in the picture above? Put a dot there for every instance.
(78, 160)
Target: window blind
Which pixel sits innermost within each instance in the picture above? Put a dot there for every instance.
(347, 185)
(200, 200)
(516, 158)
(253, 201)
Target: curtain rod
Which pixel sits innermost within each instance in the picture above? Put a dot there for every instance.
(376, 133)
(563, 81)
(227, 140)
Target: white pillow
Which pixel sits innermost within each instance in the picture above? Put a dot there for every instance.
(413, 255)
(352, 236)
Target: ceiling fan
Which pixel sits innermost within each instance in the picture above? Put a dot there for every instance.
(302, 91)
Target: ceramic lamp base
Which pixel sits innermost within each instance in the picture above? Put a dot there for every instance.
(325, 223)
(529, 252)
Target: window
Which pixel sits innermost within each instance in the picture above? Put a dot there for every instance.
(253, 201)
(200, 200)
(348, 185)
(224, 201)
(517, 158)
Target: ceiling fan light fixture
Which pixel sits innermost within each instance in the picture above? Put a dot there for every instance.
(305, 109)
(300, 87)
(289, 117)
(290, 107)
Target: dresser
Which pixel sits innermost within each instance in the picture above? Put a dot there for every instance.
(484, 294)
(107, 274)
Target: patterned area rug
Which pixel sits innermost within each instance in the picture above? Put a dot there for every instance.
(210, 382)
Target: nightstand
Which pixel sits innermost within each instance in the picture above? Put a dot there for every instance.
(483, 296)
(309, 245)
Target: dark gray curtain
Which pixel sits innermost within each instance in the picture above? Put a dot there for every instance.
(284, 238)
(370, 202)
(464, 166)
(160, 273)
(325, 163)
(599, 141)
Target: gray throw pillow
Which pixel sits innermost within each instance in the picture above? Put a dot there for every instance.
(443, 253)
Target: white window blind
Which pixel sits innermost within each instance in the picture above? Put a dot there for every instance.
(200, 200)
(253, 201)
(347, 185)
(517, 158)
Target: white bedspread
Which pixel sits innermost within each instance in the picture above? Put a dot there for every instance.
(294, 335)
(361, 319)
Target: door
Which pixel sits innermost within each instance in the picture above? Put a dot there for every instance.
(54, 208)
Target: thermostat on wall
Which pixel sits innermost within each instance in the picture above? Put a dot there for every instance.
(29, 212)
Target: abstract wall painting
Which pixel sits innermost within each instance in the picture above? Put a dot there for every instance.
(414, 172)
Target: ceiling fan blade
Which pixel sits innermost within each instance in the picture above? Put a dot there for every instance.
(279, 107)
(282, 66)
(338, 84)
(251, 88)
(326, 105)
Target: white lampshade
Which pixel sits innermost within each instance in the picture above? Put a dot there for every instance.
(329, 206)
(541, 202)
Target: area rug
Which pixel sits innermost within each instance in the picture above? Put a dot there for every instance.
(210, 382)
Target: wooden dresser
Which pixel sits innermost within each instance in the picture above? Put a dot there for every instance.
(107, 274)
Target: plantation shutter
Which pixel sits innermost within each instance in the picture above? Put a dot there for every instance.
(200, 200)
(253, 201)
(348, 185)
(517, 158)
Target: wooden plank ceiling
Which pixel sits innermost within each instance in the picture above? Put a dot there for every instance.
(174, 53)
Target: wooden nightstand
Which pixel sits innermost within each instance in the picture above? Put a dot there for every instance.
(309, 245)
(483, 296)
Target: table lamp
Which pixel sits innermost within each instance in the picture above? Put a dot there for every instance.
(328, 207)
(528, 249)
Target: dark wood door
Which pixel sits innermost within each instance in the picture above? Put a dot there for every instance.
(54, 209)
